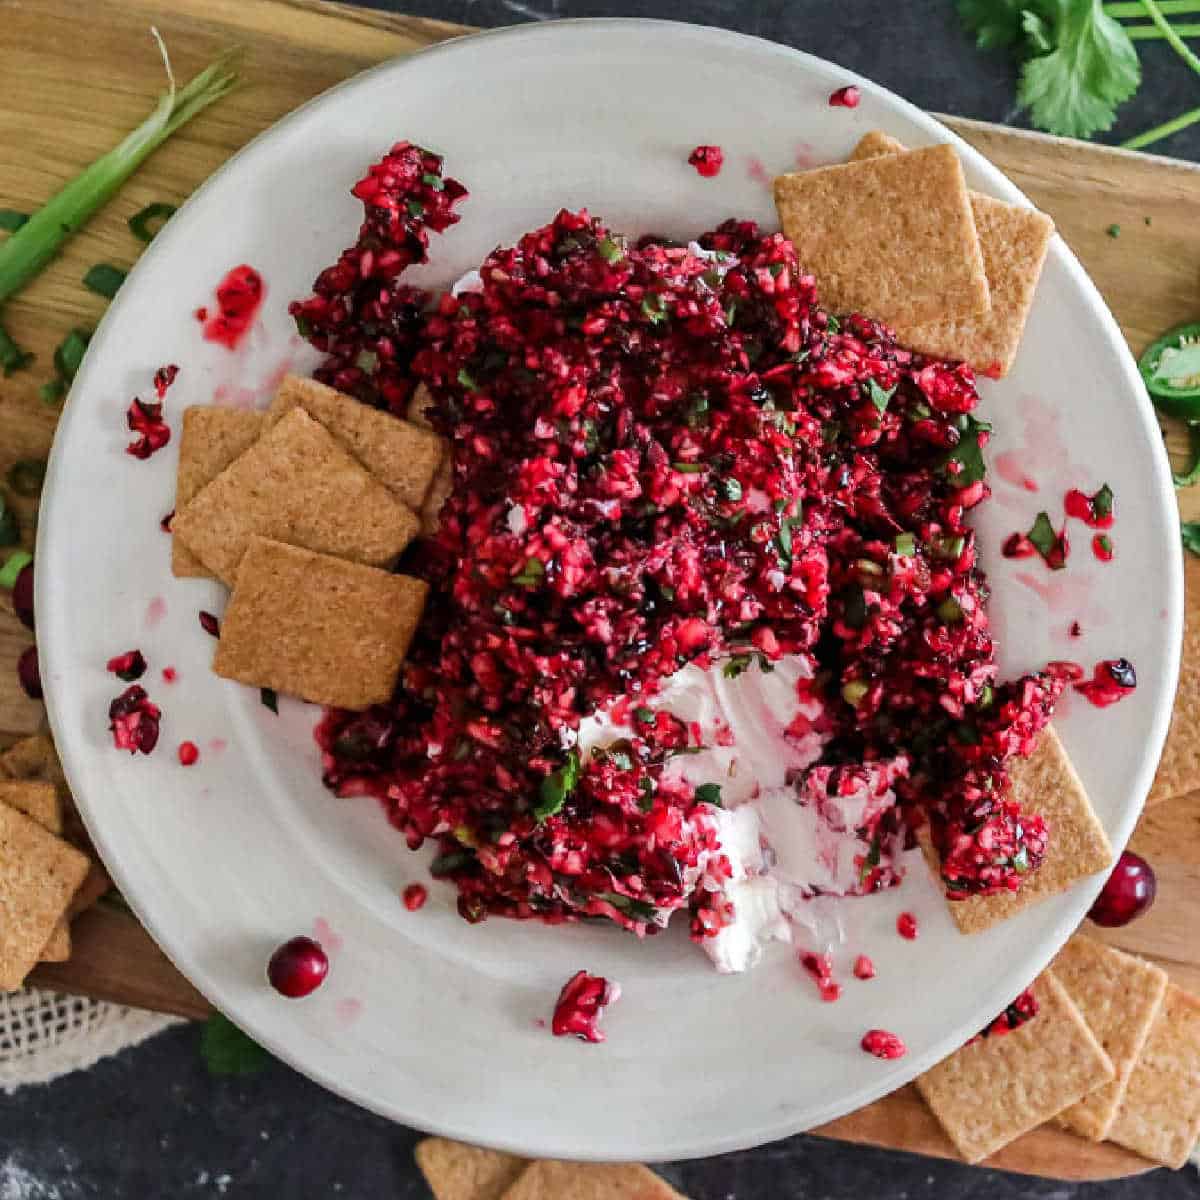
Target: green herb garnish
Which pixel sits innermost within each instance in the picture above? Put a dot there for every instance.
(465, 380)
(226, 1050)
(734, 666)
(609, 250)
(639, 910)
(433, 181)
(104, 279)
(70, 352)
(1190, 532)
(1102, 502)
(1113, 231)
(556, 787)
(531, 574)
(1047, 543)
(644, 715)
(906, 545)
(14, 564)
(710, 793)
(879, 396)
(146, 224)
(968, 454)
(451, 861)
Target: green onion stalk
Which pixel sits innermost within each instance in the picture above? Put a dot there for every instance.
(28, 250)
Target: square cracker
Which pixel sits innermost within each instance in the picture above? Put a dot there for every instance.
(891, 236)
(36, 799)
(1119, 997)
(317, 627)
(418, 407)
(1160, 1114)
(212, 438)
(39, 873)
(993, 1089)
(1013, 240)
(296, 484)
(456, 1171)
(439, 493)
(1044, 783)
(550, 1180)
(401, 456)
(58, 944)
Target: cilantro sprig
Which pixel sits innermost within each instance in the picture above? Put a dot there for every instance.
(1078, 58)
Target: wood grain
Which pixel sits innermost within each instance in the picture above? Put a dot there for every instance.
(60, 107)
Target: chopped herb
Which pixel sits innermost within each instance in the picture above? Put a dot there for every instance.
(879, 396)
(415, 208)
(639, 910)
(964, 464)
(146, 224)
(1048, 543)
(366, 361)
(1113, 231)
(646, 799)
(832, 324)
(986, 695)
(686, 468)
(269, 699)
(1190, 531)
(465, 380)
(784, 538)
(25, 476)
(730, 488)
(854, 692)
(947, 548)
(710, 793)
(303, 326)
(556, 787)
(730, 313)
(609, 250)
(531, 574)
(12, 357)
(104, 279)
(906, 545)
(451, 861)
(10, 527)
(1102, 502)
(950, 611)
(226, 1050)
(70, 353)
(871, 861)
(11, 220)
(736, 665)
(644, 715)
(433, 181)
(52, 391)
(697, 407)
(1020, 861)
(14, 564)
(653, 308)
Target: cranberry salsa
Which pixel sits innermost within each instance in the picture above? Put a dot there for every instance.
(669, 456)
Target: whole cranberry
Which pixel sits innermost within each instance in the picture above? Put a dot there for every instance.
(298, 967)
(22, 595)
(1128, 892)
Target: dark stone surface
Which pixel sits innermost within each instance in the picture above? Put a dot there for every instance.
(151, 1123)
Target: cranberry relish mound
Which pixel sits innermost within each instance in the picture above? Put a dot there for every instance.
(664, 455)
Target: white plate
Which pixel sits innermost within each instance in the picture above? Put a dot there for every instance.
(425, 1018)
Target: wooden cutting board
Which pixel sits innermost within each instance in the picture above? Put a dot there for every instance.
(78, 76)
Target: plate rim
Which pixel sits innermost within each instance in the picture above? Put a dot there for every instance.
(997, 184)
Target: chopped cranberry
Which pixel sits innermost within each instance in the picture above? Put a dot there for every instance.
(201, 314)
(1023, 1008)
(883, 1044)
(29, 674)
(1112, 680)
(994, 371)
(864, 968)
(1098, 510)
(906, 926)
(165, 523)
(163, 378)
(1102, 547)
(145, 419)
(1017, 545)
(298, 967)
(239, 297)
(210, 624)
(22, 595)
(708, 160)
(1127, 893)
(415, 896)
(189, 753)
(580, 1006)
(1076, 629)
(169, 674)
(128, 666)
(133, 721)
(845, 97)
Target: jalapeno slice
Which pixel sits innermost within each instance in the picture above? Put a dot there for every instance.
(1170, 368)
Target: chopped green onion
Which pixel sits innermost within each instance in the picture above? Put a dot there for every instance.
(415, 208)
(14, 564)
(11, 220)
(531, 574)
(10, 528)
(12, 357)
(609, 250)
(687, 468)
(1190, 531)
(70, 353)
(906, 545)
(104, 279)
(1113, 231)
(25, 477)
(465, 380)
(146, 224)
(38, 241)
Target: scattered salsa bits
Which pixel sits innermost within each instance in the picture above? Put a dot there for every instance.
(845, 97)
(189, 753)
(864, 967)
(129, 666)
(906, 926)
(1112, 680)
(239, 297)
(1023, 1008)
(163, 378)
(708, 160)
(210, 624)
(144, 417)
(1102, 547)
(1095, 511)
(581, 1004)
(133, 721)
(883, 1044)
(414, 896)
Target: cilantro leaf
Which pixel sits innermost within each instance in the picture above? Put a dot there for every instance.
(557, 786)
(710, 793)
(1191, 536)
(639, 910)
(1075, 89)
(1050, 545)
(226, 1050)
(968, 454)
(880, 396)
(996, 24)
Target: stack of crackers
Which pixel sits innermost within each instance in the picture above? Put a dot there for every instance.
(48, 874)
(301, 510)
(458, 1172)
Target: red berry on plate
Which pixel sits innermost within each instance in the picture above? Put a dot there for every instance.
(298, 967)
(189, 752)
(906, 926)
(1128, 892)
(883, 1044)
(415, 896)
(22, 595)
(845, 97)
(864, 968)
